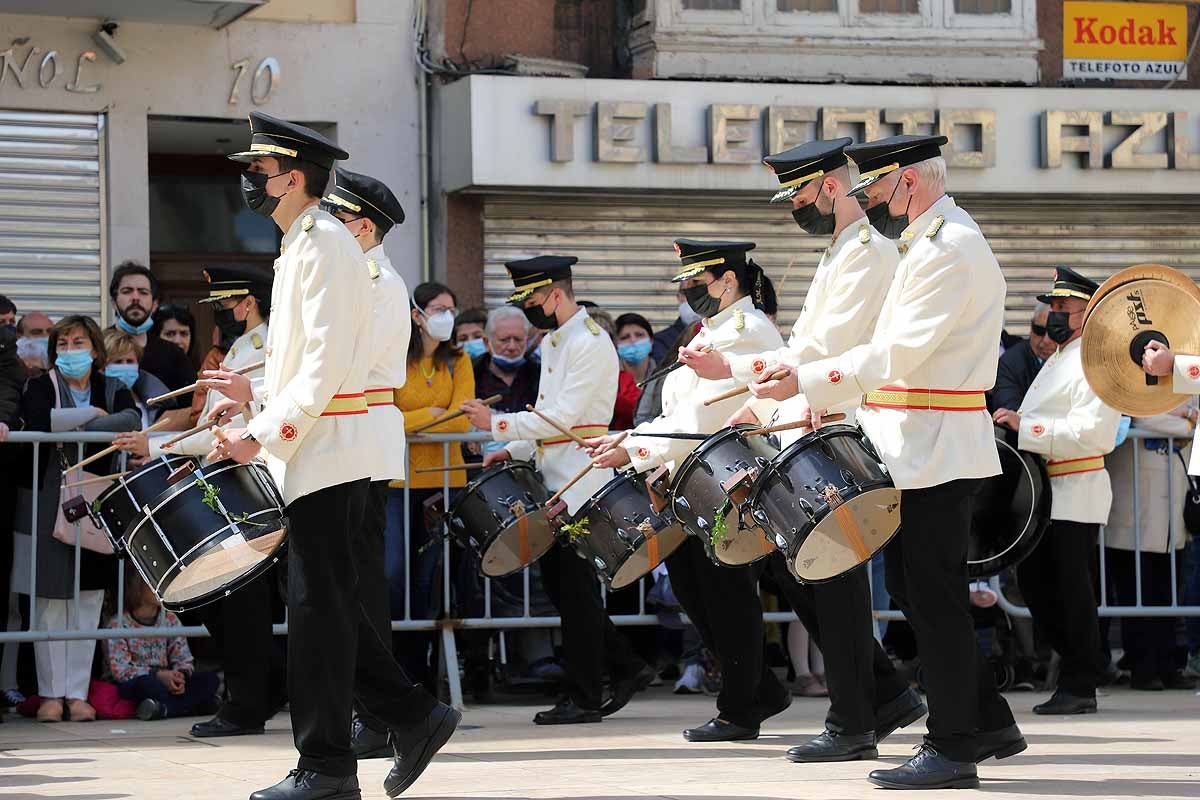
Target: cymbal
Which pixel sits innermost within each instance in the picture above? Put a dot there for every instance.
(1116, 332)
(1141, 272)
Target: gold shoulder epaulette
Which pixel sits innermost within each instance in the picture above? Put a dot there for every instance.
(372, 268)
(592, 326)
(938, 222)
(257, 341)
(739, 319)
(864, 234)
(306, 224)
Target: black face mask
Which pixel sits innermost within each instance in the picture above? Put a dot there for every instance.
(811, 220)
(701, 301)
(538, 318)
(1058, 327)
(881, 218)
(229, 326)
(254, 192)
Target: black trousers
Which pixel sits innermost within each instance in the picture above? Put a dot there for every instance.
(1149, 642)
(837, 615)
(254, 673)
(590, 640)
(724, 605)
(335, 653)
(926, 570)
(1057, 579)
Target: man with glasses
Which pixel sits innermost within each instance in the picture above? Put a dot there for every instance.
(1020, 363)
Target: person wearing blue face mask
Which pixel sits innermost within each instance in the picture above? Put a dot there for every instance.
(134, 291)
(504, 369)
(635, 341)
(124, 355)
(469, 332)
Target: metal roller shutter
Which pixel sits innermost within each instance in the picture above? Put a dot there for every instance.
(626, 258)
(52, 212)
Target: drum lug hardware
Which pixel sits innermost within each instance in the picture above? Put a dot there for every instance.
(848, 478)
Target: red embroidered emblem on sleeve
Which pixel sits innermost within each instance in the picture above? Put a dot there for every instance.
(287, 431)
(1194, 371)
(758, 366)
(835, 376)
(643, 452)
(502, 425)
(1038, 430)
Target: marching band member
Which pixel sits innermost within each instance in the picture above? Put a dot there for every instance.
(725, 289)
(578, 389)
(316, 434)
(1062, 419)
(368, 209)
(1158, 359)
(868, 700)
(923, 373)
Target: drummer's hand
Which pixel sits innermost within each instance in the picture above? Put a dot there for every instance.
(496, 457)
(778, 384)
(3, 431)
(1157, 359)
(228, 383)
(598, 445)
(614, 458)
(135, 442)
(479, 414)
(225, 408)
(140, 461)
(743, 416)
(1004, 416)
(814, 417)
(228, 443)
(710, 365)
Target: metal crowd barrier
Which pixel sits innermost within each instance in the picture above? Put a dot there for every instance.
(488, 621)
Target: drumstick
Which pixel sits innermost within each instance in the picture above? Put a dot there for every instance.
(478, 465)
(201, 427)
(192, 387)
(221, 438)
(667, 370)
(108, 451)
(788, 426)
(96, 479)
(561, 428)
(579, 475)
(742, 389)
(454, 415)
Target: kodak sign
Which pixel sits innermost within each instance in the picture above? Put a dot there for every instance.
(1124, 41)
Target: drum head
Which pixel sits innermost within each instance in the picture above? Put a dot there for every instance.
(741, 547)
(234, 559)
(652, 551)
(856, 530)
(1012, 511)
(518, 545)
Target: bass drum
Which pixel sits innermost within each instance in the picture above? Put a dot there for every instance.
(501, 515)
(1012, 510)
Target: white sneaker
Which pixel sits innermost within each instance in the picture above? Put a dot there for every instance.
(691, 681)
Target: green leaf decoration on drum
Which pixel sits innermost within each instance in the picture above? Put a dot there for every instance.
(720, 528)
(210, 499)
(96, 507)
(577, 530)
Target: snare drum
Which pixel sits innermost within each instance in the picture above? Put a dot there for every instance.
(213, 531)
(828, 501)
(119, 507)
(625, 538)
(501, 515)
(709, 490)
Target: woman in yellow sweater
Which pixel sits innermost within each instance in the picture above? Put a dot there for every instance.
(439, 378)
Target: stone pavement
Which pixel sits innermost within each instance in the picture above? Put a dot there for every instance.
(1141, 745)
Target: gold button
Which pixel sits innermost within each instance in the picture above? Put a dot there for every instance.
(270, 350)
(541, 397)
(550, 369)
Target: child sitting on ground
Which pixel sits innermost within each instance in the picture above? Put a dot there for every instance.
(156, 673)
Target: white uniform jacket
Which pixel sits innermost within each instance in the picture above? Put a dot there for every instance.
(1187, 381)
(247, 349)
(840, 311)
(391, 328)
(1064, 421)
(740, 330)
(931, 357)
(313, 425)
(578, 389)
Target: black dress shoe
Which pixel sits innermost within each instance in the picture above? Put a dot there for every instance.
(718, 730)
(1000, 744)
(830, 746)
(437, 729)
(222, 727)
(1066, 703)
(304, 784)
(624, 690)
(366, 742)
(565, 712)
(899, 712)
(928, 769)
(1147, 684)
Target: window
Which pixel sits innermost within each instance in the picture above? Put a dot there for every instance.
(811, 6)
(712, 5)
(888, 6)
(983, 6)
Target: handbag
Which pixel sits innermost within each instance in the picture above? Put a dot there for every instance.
(1191, 501)
(89, 536)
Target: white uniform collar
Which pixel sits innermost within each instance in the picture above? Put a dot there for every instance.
(743, 305)
(575, 321)
(846, 236)
(297, 226)
(1074, 344)
(260, 329)
(377, 253)
(921, 224)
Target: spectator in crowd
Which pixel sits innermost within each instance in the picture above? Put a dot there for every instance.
(1156, 530)
(12, 378)
(439, 378)
(665, 347)
(124, 355)
(504, 369)
(74, 395)
(176, 325)
(156, 673)
(8, 314)
(135, 293)
(469, 331)
(634, 343)
(32, 345)
(1020, 363)
(650, 403)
